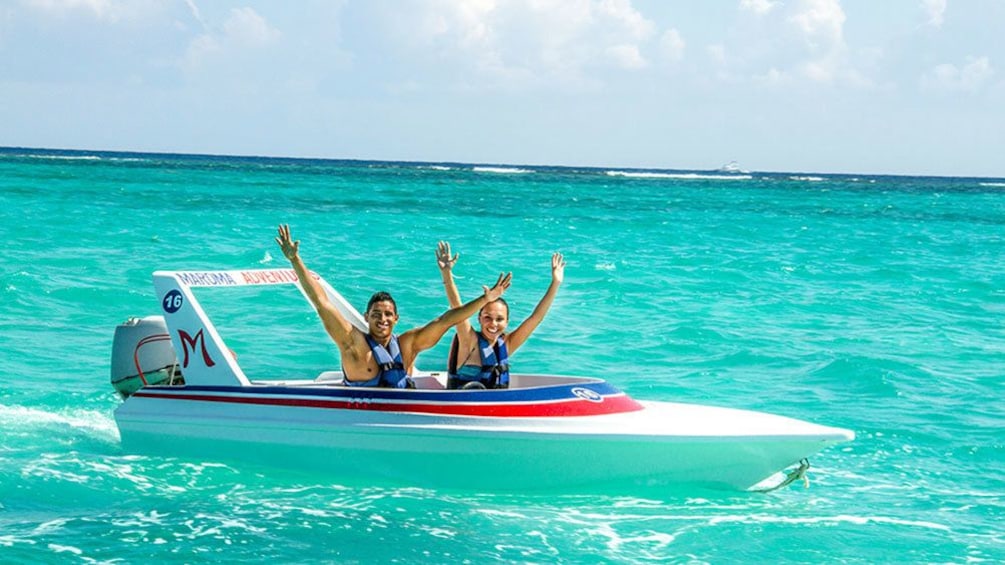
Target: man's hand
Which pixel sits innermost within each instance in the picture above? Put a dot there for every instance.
(443, 258)
(494, 293)
(290, 248)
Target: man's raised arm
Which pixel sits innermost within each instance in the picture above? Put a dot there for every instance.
(334, 322)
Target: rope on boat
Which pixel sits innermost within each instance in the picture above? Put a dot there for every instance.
(792, 476)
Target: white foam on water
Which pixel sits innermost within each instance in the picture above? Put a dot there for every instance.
(838, 519)
(63, 157)
(500, 513)
(65, 549)
(501, 170)
(685, 176)
(50, 526)
(90, 421)
(9, 541)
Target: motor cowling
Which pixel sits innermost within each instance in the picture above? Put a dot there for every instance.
(142, 351)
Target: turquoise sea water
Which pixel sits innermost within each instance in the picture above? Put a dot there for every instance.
(867, 302)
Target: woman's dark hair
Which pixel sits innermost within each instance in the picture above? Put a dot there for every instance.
(500, 299)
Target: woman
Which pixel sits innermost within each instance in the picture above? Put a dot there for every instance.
(480, 359)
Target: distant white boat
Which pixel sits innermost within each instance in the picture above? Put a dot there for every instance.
(732, 167)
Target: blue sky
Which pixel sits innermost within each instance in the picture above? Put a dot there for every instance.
(898, 86)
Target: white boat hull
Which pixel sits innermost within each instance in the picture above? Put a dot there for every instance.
(665, 443)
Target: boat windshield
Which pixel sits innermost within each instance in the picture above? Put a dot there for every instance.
(271, 330)
(276, 335)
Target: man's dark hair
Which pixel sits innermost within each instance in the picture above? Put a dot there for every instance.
(381, 297)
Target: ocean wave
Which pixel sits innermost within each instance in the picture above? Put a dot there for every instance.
(866, 375)
(61, 157)
(996, 184)
(806, 178)
(437, 168)
(501, 170)
(687, 176)
(838, 519)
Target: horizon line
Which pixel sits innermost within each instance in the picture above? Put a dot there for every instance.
(7, 148)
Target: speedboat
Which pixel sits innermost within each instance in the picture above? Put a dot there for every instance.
(183, 387)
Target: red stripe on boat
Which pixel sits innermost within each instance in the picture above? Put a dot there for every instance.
(571, 407)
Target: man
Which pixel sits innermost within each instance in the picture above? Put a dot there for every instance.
(378, 357)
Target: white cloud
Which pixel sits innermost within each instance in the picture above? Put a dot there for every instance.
(773, 77)
(468, 22)
(246, 27)
(717, 53)
(626, 57)
(821, 23)
(935, 11)
(672, 45)
(820, 70)
(196, 15)
(529, 39)
(629, 19)
(102, 10)
(791, 42)
(820, 26)
(971, 77)
(243, 31)
(758, 7)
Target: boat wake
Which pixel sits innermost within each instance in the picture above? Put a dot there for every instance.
(24, 420)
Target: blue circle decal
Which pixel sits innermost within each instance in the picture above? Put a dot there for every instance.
(173, 301)
(587, 394)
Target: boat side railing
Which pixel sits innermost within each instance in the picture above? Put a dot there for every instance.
(431, 380)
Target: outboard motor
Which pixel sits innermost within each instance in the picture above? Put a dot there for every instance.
(142, 355)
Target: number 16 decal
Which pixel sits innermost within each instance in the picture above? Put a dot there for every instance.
(172, 301)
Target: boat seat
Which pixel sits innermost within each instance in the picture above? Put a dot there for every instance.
(428, 381)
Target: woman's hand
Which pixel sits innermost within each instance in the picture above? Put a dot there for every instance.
(557, 268)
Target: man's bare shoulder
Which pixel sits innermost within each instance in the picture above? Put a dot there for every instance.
(355, 345)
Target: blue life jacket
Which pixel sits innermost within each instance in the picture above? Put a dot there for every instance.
(391, 369)
(494, 370)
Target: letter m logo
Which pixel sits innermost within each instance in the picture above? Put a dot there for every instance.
(190, 342)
